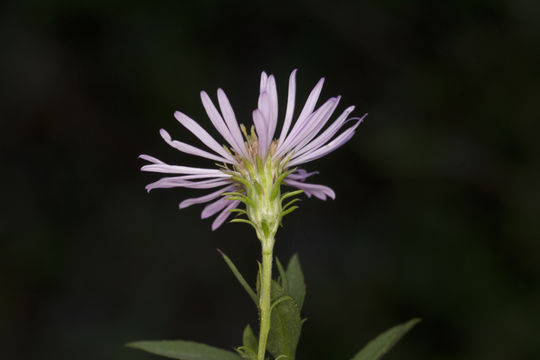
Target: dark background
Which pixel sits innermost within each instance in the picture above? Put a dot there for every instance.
(437, 202)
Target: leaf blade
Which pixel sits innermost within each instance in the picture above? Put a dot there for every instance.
(379, 346)
(239, 276)
(183, 350)
(296, 287)
(286, 324)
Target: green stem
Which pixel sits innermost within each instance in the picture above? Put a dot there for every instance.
(264, 300)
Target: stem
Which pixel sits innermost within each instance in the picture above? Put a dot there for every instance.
(264, 301)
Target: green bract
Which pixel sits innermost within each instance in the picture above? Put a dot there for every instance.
(265, 206)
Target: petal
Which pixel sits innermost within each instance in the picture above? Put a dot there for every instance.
(273, 107)
(319, 191)
(172, 182)
(204, 136)
(151, 159)
(327, 134)
(299, 133)
(176, 169)
(264, 78)
(189, 149)
(315, 125)
(301, 175)
(232, 124)
(220, 219)
(217, 120)
(260, 127)
(311, 102)
(326, 149)
(202, 199)
(265, 108)
(214, 207)
(290, 107)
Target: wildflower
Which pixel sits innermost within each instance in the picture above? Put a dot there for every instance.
(254, 164)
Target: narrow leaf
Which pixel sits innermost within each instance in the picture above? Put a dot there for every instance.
(249, 339)
(279, 301)
(288, 211)
(290, 203)
(296, 286)
(258, 281)
(183, 350)
(290, 193)
(239, 276)
(277, 183)
(244, 221)
(376, 348)
(246, 353)
(282, 274)
(241, 180)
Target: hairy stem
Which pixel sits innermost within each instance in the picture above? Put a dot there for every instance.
(264, 300)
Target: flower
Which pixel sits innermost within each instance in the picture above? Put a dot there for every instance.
(256, 157)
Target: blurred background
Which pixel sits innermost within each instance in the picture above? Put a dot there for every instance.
(438, 196)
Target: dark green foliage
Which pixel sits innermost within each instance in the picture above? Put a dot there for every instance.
(295, 281)
(379, 346)
(184, 350)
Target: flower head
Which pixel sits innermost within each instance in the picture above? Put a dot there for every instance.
(255, 163)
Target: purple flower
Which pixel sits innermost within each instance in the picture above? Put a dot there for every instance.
(305, 140)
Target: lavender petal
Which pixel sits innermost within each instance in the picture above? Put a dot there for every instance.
(301, 130)
(172, 182)
(314, 125)
(216, 119)
(264, 78)
(301, 175)
(319, 191)
(290, 107)
(152, 159)
(189, 149)
(273, 105)
(203, 199)
(176, 169)
(328, 133)
(265, 108)
(204, 136)
(260, 127)
(311, 101)
(214, 207)
(220, 219)
(232, 124)
(326, 149)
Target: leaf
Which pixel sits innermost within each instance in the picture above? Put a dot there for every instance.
(282, 274)
(239, 276)
(379, 346)
(285, 325)
(184, 350)
(295, 281)
(249, 339)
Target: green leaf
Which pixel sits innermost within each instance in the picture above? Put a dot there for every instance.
(376, 348)
(258, 281)
(285, 325)
(239, 277)
(286, 206)
(249, 340)
(282, 274)
(290, 193)
(295, 281)
(288, 211)
(184, 350)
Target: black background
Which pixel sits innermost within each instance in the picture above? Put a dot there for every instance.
(437, 202)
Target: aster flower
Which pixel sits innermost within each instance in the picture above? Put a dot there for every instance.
(254, 164)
